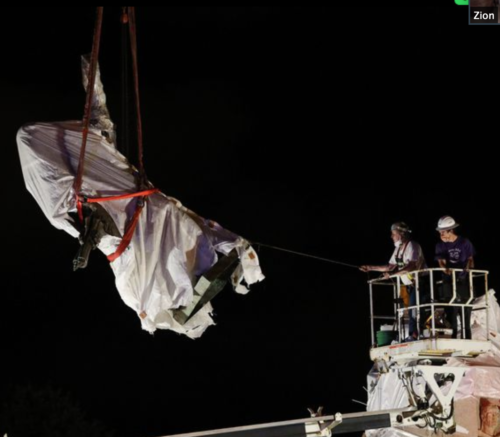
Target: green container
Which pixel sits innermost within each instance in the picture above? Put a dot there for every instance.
(386, 337)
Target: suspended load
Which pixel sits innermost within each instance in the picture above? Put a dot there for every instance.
(168, 261)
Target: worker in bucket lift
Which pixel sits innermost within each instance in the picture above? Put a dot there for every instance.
(455, 252)
(407, 257)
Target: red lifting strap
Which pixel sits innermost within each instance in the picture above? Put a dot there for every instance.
(88, 103)
(128, 235)
(84, 199)
(129, 231)
(128, 15)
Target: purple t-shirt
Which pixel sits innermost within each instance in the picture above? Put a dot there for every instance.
(456, 254)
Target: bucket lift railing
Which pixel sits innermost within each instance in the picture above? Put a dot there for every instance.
(425, 280)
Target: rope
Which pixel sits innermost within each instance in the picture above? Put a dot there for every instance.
(306, 255)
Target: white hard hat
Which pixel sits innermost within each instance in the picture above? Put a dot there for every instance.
(446, 223)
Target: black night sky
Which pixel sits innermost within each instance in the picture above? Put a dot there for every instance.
(307, 128)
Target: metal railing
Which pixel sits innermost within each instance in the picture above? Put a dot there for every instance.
(419, 281)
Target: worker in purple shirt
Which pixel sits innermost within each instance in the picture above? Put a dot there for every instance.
(455, 252)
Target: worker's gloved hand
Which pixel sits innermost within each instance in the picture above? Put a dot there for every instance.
(364, 268)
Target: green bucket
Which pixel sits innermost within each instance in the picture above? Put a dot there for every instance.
(386, 337)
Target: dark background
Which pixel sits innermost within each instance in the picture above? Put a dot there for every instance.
(307, 128)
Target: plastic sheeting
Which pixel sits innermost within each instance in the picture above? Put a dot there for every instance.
(171, 246)
(481, 380)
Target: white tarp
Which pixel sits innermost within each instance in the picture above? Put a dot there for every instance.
(481, 380)
(171, 245)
